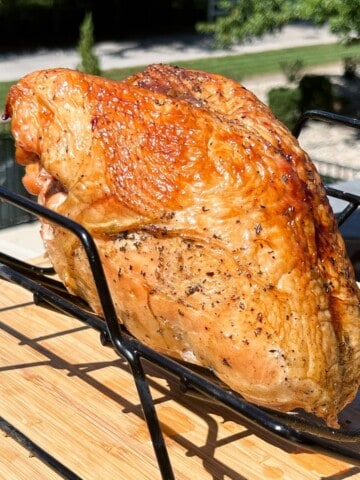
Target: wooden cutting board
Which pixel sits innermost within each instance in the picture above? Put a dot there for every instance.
(76, 399)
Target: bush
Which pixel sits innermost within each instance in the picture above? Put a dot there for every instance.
(285, 104)
(5, 130)
(292, 70)
(350, 67)
(316, 93)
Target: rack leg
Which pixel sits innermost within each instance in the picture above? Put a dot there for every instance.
(151, 418)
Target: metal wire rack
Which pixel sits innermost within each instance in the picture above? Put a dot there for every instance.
(297, 428)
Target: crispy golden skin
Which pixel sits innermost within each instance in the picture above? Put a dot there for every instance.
(214, 229)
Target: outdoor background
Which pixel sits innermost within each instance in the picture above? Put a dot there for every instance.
(31, 23)
(295, 55)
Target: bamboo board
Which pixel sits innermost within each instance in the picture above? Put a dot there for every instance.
(76, 399)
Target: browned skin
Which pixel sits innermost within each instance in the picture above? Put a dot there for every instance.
(213, 226)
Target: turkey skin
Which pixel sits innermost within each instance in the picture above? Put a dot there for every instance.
(215, 233)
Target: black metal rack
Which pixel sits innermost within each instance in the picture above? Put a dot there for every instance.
(297, 428)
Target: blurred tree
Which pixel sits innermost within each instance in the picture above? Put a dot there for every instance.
(240, 21)
(342, 16)
(45, 23)
(89, 61)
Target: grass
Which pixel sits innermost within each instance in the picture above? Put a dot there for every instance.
(245, 65)
(4, 88)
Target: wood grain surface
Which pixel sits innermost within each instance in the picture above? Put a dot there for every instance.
(77, 400)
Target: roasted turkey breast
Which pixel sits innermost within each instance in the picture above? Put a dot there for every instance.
(217, 239)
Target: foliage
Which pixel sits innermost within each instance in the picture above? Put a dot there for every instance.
(292, 69)
(89, 61)
(4, 88)
(4, 130)
(244, 20)
(285, 104)
(350, 67)
(316, 92)
(115, 19)
(343, 16)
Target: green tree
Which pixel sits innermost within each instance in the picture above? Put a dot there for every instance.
(242, 20)
(342, 16)
(89, 61)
